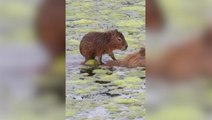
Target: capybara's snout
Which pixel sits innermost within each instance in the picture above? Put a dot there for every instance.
(126, 46)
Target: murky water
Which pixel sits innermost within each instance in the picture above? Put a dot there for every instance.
(104, 93)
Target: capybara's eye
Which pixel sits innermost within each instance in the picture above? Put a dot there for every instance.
(119, 39)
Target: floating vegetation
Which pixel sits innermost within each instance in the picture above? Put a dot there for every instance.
(104, 92)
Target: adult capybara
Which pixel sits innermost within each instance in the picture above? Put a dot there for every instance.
(98, 43)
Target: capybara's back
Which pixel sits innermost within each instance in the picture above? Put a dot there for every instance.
(187, 61)
(98, 43)
(133, 60)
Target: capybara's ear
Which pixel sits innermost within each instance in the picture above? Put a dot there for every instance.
(116, 31)
(142, 51)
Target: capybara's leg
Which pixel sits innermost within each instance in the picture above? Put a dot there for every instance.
(100, 60)
(112, 56)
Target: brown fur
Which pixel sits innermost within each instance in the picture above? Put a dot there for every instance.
(50, 29)
(182, 62)
(154, 18)
(50, 26)
(133, 60)
(98, 43)
(190, 60)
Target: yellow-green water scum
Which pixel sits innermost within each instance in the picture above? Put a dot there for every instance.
(102, 93)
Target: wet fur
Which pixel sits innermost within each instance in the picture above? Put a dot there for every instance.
(98, 43)
(190, 60)
(133, 60)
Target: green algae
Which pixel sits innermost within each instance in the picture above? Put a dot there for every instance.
(117, 91)
(130, 23)
(133, 8)
(127, 82)
(92, 62)
(126, 100)
(83, 22)
(112, 107)
(72, 42)
(70, 113)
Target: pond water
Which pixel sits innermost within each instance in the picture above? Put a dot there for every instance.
(103, 93)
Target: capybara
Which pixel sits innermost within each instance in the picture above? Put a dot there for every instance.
(133, 60)
(98, 43)
(185, 61)
(50, 29)
(50, 26)
(154, 18)
(190, 60)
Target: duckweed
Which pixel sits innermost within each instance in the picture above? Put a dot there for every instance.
(96, 92)
(130, 23)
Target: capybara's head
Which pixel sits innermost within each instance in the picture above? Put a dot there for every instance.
(118, 40)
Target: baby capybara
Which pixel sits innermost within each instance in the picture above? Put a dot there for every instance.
(98, 43)
(133, 60)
